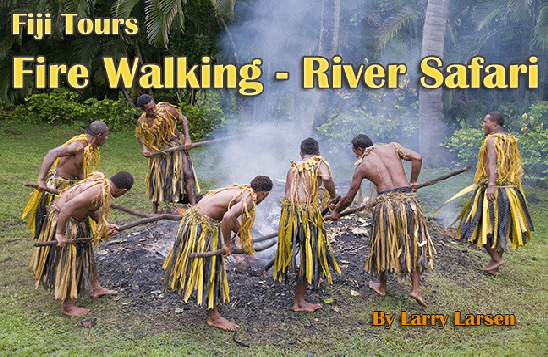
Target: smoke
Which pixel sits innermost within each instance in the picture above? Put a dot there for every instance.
(273, 124)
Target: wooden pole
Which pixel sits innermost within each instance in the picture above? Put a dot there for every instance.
(195, 145)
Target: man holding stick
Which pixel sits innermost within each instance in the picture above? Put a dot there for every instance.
(399, 242)
(69, 268)
(207, 226)
(170, 172)
(62, 167)
(497, 185)
(302, 226)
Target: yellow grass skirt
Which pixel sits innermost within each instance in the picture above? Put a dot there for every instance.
(207, 276)
(35, 210)
(399, 241)
(66, 270)
(500, 223)
(302, 232)
(165, 179)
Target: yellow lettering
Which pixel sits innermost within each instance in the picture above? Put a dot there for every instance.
(373, 72)
(122, 71)
(310, 72)
(431, 73)
(457, 76)
(496, 77)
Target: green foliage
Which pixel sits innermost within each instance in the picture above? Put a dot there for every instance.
(465, 143)
(204, 117)
(385, 127)
(62, 106)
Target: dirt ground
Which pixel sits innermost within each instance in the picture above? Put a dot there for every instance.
(131, 262)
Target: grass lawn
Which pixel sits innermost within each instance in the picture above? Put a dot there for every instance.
(31, 324)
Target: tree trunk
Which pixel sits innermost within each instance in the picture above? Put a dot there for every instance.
(328, 47)
(432, 128)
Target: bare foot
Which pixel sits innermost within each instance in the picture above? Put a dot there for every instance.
(305, 306)
(417, 296)
(377, 288)
(221, 323)
(492, 266)
(493, 271)
(73, 310)
(100, 291)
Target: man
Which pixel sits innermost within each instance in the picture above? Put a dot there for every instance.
(302, 228)
(62, 167)
(170, 173)
(69, 268)
(497, 184)
(206, 227)
(399, 242)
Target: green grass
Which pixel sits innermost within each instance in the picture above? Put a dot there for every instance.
(31, 324)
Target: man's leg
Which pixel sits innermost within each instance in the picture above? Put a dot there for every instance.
(216, 320)
(380, 287)
(189, 180)
(496, 260)
(415, 290)
(98, 290)
(300, 304)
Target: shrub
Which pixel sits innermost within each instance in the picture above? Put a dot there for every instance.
(62, 106)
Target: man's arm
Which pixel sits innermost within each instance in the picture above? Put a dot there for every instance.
(52, 155)
(327, 180)
(491, 168)
(357, 178)
(146, 151)
(230, 224)
(416, 165)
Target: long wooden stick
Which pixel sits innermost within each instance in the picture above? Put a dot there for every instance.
(416, 187)
(194, 145)
(69, 241)
(234, 251)
(441, 178)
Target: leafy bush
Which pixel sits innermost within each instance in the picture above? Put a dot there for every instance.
(203, 118)
(465, 143)
(62, 106)
(340, 130)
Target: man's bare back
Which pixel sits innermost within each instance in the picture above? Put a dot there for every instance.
(384, 168)
(215, 206)
(85, 198)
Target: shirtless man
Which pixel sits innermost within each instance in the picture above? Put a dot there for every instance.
(205, 227)
(62, 167)
(302, 228)
(399, 236)
(69, 268)
(169, 174)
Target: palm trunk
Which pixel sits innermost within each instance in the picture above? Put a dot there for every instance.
(431, 115)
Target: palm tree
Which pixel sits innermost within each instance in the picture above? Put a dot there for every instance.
(431, 113)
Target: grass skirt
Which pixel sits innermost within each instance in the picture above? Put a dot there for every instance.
(399, 242)
(165, 179)
(500, 223)
(35, 210)
(207, 276)
(66, 270)
(302, 232)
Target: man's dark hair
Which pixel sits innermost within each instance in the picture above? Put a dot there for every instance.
(261, 183)
(144, 99)
(122, 179)
(96, 128)
(497, 117)
(309, 146)
(361, 141)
